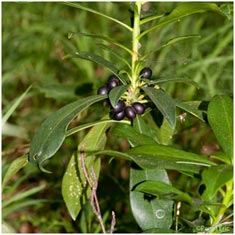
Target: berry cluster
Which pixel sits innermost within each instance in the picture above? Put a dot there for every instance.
(121, 110)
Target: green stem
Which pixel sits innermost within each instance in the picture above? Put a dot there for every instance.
(135, 44)
(226, 203)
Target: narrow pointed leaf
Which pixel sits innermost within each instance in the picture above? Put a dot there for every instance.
(181, 11)
(135, 138)
(156, 188)
(76, 5)
(104, 38)
(220, 117)
(167, 153)
(51, 134)
(75, 190)
(95, 58)
(15, 166)
(152, 162)
(116, 93)
(163, 102)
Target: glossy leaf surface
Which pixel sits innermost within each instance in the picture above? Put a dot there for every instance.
(163, 102)
(51, 134)
(167, 153)
(149, 211)
(134, 137)
(116, 93)
(75, 189)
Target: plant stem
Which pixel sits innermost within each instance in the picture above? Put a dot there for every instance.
(135, 43)
(226, 203)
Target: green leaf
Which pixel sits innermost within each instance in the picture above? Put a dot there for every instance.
(75, 190)
(167, 153)
(192, 108)
(116, 93)
(104, 38)
(135, 138)
(152, 162)
(220, 117)
(163, 102)
(156, 188)
(91, 124)
(166, 133)
(22, 195)
(149, 212)
(98, 13)
(182, 10)
(114, 52)
(95, 58)
(13, 107)
(15, 166)
(171, 42)
(51, 134)
(214, 178)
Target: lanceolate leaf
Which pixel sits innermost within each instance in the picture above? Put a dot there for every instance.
(97, 59)
(75, 190)
(161, 161)
(156, 188)
(171, 42)
(15, 166)
(167, 153)
(135, 138)
(164, 103)
(182, 10)
(116, 93)
(220, 117)
(76, 5)
(51, 134)
(149, 212)
(104, 38)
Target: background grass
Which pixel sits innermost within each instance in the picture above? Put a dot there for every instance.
(34, 42)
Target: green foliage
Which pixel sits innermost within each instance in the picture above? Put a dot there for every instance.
(160, 148)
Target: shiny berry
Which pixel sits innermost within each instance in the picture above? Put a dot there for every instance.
(130, 112)
(103, 90)
(139, 108)
(118, 116)
(146, 73)
(113, 81)
(120, 106)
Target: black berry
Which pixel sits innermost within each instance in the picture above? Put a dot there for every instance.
(103, 90)
(139, 108)
(118, 116)
(146, 73)
(113, 81)
(130, 112)
(120, 106)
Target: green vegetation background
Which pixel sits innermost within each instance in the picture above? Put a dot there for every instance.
(34, 42)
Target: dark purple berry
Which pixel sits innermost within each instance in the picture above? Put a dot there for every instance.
(118, 116)
(139, 108)
(120, 106)
(130, 112)
(113, 81)
(146, 73)
(103, 90)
